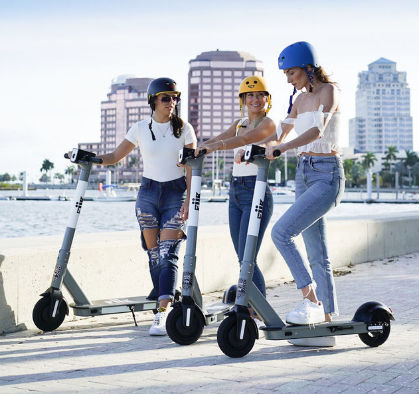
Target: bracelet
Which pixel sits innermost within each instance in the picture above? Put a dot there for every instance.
(224, 144)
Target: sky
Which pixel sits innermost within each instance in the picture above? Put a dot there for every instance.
(57, 59)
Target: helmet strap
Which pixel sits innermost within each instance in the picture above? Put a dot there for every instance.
(310, 77)
(241, 114)
(291, 97)
(269, 105)
(153, 137)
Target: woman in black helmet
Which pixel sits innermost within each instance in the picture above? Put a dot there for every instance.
(161, 207)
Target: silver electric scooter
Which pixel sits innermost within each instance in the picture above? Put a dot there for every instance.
(49, 312)
(237, 333)
(185, 323)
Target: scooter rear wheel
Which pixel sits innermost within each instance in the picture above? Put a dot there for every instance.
(178, 332)
(377, 338)
(41, 314)
(227, 339)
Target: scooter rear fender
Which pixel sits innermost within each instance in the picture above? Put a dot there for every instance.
(364, 312)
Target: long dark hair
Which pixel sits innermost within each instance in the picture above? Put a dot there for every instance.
(177, 123)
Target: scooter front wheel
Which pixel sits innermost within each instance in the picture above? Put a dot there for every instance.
(178, 332)
(379, 317)
(227, 339)
(41, 314)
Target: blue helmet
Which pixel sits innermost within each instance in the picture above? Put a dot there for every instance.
(299, 54)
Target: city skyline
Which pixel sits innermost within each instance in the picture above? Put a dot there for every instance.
(59, 58)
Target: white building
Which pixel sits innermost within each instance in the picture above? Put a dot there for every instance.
(214, 81)
(382, 110)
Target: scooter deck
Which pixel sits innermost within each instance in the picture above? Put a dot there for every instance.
(114, 305)
(216, 313)
(321, 330)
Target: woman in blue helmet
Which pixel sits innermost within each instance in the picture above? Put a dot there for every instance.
(163, 199)
(320, 183)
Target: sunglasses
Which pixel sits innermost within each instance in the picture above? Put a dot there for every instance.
(168, 99)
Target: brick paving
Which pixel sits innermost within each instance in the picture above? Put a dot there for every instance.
(110, 354)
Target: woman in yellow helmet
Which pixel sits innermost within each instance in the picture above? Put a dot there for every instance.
(254, 95)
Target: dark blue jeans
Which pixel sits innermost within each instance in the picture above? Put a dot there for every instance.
(158, 206)
(240, 206)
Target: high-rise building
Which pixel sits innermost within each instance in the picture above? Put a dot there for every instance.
(214, 80)
(382, 109)
(126, 105)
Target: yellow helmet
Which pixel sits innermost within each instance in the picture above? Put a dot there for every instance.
(254, 83)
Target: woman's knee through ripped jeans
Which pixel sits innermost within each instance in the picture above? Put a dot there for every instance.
(158, 207)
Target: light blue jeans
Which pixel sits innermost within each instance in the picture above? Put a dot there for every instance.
(319, 186)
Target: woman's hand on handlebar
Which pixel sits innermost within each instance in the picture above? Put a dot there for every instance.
(239, 155)
(202, 147)
(269, 151)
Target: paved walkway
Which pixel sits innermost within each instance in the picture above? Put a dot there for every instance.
(109, 354)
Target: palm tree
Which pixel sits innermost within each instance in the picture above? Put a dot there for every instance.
(410, 161)
(70, 171)
(347, 166)
(59, 177)
(390, 154)
(357, 172)
(47, 166)
(369, 160)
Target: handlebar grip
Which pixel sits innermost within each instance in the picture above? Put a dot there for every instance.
(96, 160)
(277, 153)
(202, 153)
(66, 156)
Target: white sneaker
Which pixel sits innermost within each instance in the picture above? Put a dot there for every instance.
(259, 324)
(159, 324)
(306, 313)
(315, 342)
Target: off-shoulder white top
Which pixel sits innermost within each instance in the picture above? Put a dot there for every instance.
(329, 140)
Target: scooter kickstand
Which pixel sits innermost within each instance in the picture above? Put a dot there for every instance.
(132, 308)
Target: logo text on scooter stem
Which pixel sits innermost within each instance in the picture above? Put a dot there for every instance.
(79, 204)
(259, 209)
(196, 201)
(187, 280)
(241, 288)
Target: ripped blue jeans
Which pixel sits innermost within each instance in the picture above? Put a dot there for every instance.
(158, 207)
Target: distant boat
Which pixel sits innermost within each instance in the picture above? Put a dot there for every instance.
(109, 194)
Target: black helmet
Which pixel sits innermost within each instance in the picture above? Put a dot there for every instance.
(160, 85)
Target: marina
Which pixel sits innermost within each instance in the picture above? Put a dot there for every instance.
(39, 217)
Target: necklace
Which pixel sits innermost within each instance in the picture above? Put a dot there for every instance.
(163, 133)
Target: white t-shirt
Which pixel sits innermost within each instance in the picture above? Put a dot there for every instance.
(161, 156)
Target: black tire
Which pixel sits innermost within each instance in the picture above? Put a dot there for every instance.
(377, 338)
(227, 339)
(42, 318)
(178, 332)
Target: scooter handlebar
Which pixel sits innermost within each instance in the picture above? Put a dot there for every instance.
(277, 153)
(79, 155)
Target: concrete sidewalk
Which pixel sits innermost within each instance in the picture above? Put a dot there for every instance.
(110, 354)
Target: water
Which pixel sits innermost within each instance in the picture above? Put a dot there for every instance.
(41, 218)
